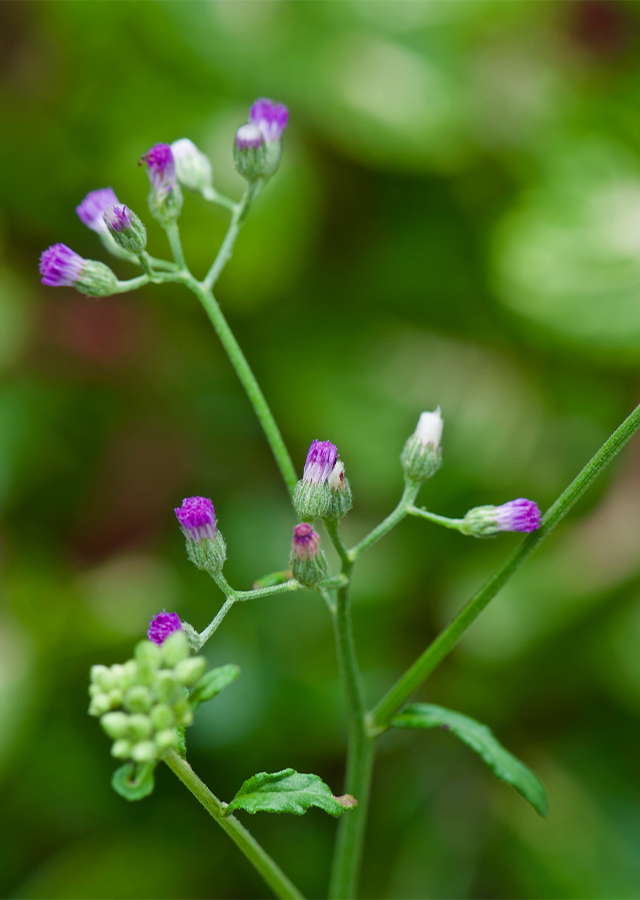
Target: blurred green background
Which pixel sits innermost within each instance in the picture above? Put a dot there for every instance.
(456, 222)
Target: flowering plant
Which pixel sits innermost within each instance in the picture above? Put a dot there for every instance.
(146, 704)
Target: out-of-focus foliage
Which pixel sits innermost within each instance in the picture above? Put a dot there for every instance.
(457, 222)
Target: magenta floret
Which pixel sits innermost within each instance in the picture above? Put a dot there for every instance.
(518, 515)
(197, 518)
(162, 625)
(60, 266)
(92, 208)
(118, 217)
(321, 459)
(306, 542)
(271, 118)
(160, 167)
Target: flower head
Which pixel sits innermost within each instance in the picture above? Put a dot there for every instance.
(421, 456)
(193, 168)
(162, 625)
(518, 515)
(429, 428)
(249, 137)
(306, 542)
(60, 266)
(271, 118)
(197, 519)
(92, 208)
(160, 167)
(321, 460)
(118, 218)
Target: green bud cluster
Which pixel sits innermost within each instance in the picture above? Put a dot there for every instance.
(143, 703)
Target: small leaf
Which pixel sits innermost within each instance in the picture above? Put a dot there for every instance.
(212, 683)
(480, 738)
(133, 781)
(271, 580)
(288, 791)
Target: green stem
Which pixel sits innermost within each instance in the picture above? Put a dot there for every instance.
(334, 534)
(215, 196)
(447, 639)
(173, 233)
(239, 596)
(240, 211)
(213, 626)
(259, 858)
(360, 752)
(248, 381)
(408, 496)
(433, 517)
(132, 284)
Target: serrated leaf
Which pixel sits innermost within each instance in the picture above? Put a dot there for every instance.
(133, 781)
(504, 765)
(289, 791)
(212, 683)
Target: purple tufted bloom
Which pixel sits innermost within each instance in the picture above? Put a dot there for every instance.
(162, 625)
(249, 137)
(197, 519)
(321, 459)
(161, 167)
(518, 515)
(92, 208)
(271, 118)
(306, 542)
(59, 266)
(118, 217)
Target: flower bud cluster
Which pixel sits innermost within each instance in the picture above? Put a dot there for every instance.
(422, 454)
(323, 492)
(144, 702)
(258, 144)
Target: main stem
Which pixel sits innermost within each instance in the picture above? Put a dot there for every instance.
(259, 858)
(248, 381)
(447, 639)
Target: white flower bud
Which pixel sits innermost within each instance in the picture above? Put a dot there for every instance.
(429, 429)
(193, 168)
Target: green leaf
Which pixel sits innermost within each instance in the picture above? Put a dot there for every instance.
(133, 781)
(480, 738)
(289, 791)
(272, 579)
(212, 683)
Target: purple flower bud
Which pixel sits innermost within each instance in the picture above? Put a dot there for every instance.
(162, 625)
(271, 118)
(321, 459)
(249, 137)
(518, 515)
(60, 266)
(118, 217)
(92, 208)
(306, 542)
(197, 519)
(160, 167)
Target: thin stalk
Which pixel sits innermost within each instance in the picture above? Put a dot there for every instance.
(259, 858)
(215, 196)
(434, 517)
(173, 233)
(248, 381)
(213, 626)
(408, 496)
(447, 639)
(238, 597)
(240, 211)
(132, 284)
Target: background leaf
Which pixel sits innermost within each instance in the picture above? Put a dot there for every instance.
(480, 738)
(288, 791)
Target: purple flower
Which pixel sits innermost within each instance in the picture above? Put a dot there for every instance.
(517, 515)
(162, 625)
(197, 519)
(118, 217)
(93, 206)
(271, 118)
(160, 167)
(59, 266)
(249, 137)
(321, 459)
(306, 542)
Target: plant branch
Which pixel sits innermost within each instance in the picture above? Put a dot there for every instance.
(408, 496)
(173, 233)
(447, 639)
(433, 517)
(257, 856)
(240, 211)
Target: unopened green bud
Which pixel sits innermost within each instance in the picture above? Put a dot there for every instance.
(166, 686)
(340, 501)
(129, 673)
(188, 671)
(125, 228)
(422, 454)
(96, 279)
(144, 751)
(250, 152)
(100, 704)
(183, 711)
(148, 652)
(116, 724)
(122, 749)
(207, 554)
(115, 697)
(308, 562)
(162, 717)
(138, 699)
(103, 677)
(166, 739)
(174, 649)
(140, 727)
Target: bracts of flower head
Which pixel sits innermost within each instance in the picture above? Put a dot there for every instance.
(308, 562)
(205, 545)
(271, 118)
(125, 228)
(193, 168)
(516, 515)
(323, 492)
(250, 152)
(91, 213)
(165, 196)
(422, 454)
(61, 267)
(144, 703)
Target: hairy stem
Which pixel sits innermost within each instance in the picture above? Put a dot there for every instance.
(173, 234)
(240, 211)
(447, 639)
(434, 517)
(259, 858)
(408, 496)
